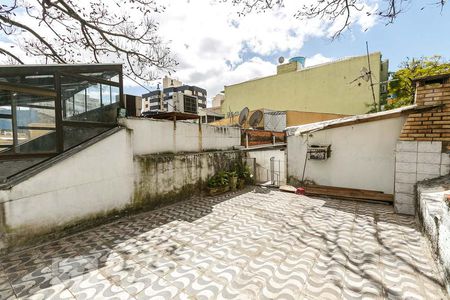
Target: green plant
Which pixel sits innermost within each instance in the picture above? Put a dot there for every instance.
(218, 180)
(232, 174)
(400, 86)
(243, 172)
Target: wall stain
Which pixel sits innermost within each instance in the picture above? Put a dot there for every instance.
(156, 187)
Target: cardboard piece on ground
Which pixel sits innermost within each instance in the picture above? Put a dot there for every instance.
(288, 188)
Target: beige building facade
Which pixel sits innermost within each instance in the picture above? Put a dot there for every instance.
(338, 87)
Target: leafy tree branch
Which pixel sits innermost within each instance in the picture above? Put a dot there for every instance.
(401, 88)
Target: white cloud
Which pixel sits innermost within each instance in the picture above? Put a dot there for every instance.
(317, 59)
(215, 47)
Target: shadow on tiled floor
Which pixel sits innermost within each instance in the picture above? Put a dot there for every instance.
(250, 245)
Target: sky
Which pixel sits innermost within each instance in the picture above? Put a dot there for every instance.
(215, 47)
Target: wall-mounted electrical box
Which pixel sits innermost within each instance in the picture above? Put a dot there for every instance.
(317, 152)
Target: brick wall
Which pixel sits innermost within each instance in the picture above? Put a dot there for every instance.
(422, 152)
(434, 124)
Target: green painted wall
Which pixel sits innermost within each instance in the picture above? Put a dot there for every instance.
(325, 88)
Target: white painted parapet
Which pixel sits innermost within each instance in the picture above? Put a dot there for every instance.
(162, 136)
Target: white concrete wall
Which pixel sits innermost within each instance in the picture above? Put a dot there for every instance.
(435, 218)
(220, 138)
(161, 175)
(262, 161)
(109, 176)
(416, 161)
(362, 155)
(92, 181)
(159, 136)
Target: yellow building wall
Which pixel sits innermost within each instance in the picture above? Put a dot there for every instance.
(294, 118)
(324, 89)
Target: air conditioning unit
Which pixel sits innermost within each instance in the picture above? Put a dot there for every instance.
(317, 152)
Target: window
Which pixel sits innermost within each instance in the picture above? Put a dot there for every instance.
(81, 96)
(46, 110)
(190, 104)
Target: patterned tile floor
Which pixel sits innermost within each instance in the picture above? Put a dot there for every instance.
(258, 244)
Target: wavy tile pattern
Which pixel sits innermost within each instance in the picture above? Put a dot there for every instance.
(255, 244)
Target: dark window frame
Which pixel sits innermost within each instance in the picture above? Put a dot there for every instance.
(57, 72)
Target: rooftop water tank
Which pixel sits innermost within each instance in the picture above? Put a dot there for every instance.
(299, 59)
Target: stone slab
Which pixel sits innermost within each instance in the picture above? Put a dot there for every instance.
(433, 169)
(405, 167)
(408, 146)
(405, 177)
(405, 198)
(406, 157)
(429, 147)
(405, 188)
(405, 209)
(429, 157)
(422, 177)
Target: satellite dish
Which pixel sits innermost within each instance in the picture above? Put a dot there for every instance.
(365, 74)
(243, 116)
(255, 118)
(281, 59)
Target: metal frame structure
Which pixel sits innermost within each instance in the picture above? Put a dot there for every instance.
(52, 91)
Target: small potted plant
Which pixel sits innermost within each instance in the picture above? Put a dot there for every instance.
(233, 179)
(218, 184)
(244, 175)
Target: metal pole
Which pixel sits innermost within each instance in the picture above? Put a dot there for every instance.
(272, 170)
(370, 75)
(58, 115)
(14, 122)
(279, 171)
(121, 99)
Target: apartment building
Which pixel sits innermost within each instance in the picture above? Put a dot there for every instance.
(175, 96)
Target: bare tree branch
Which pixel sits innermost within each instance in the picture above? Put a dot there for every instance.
(334, 11)
(8, 53)
(70, 31)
